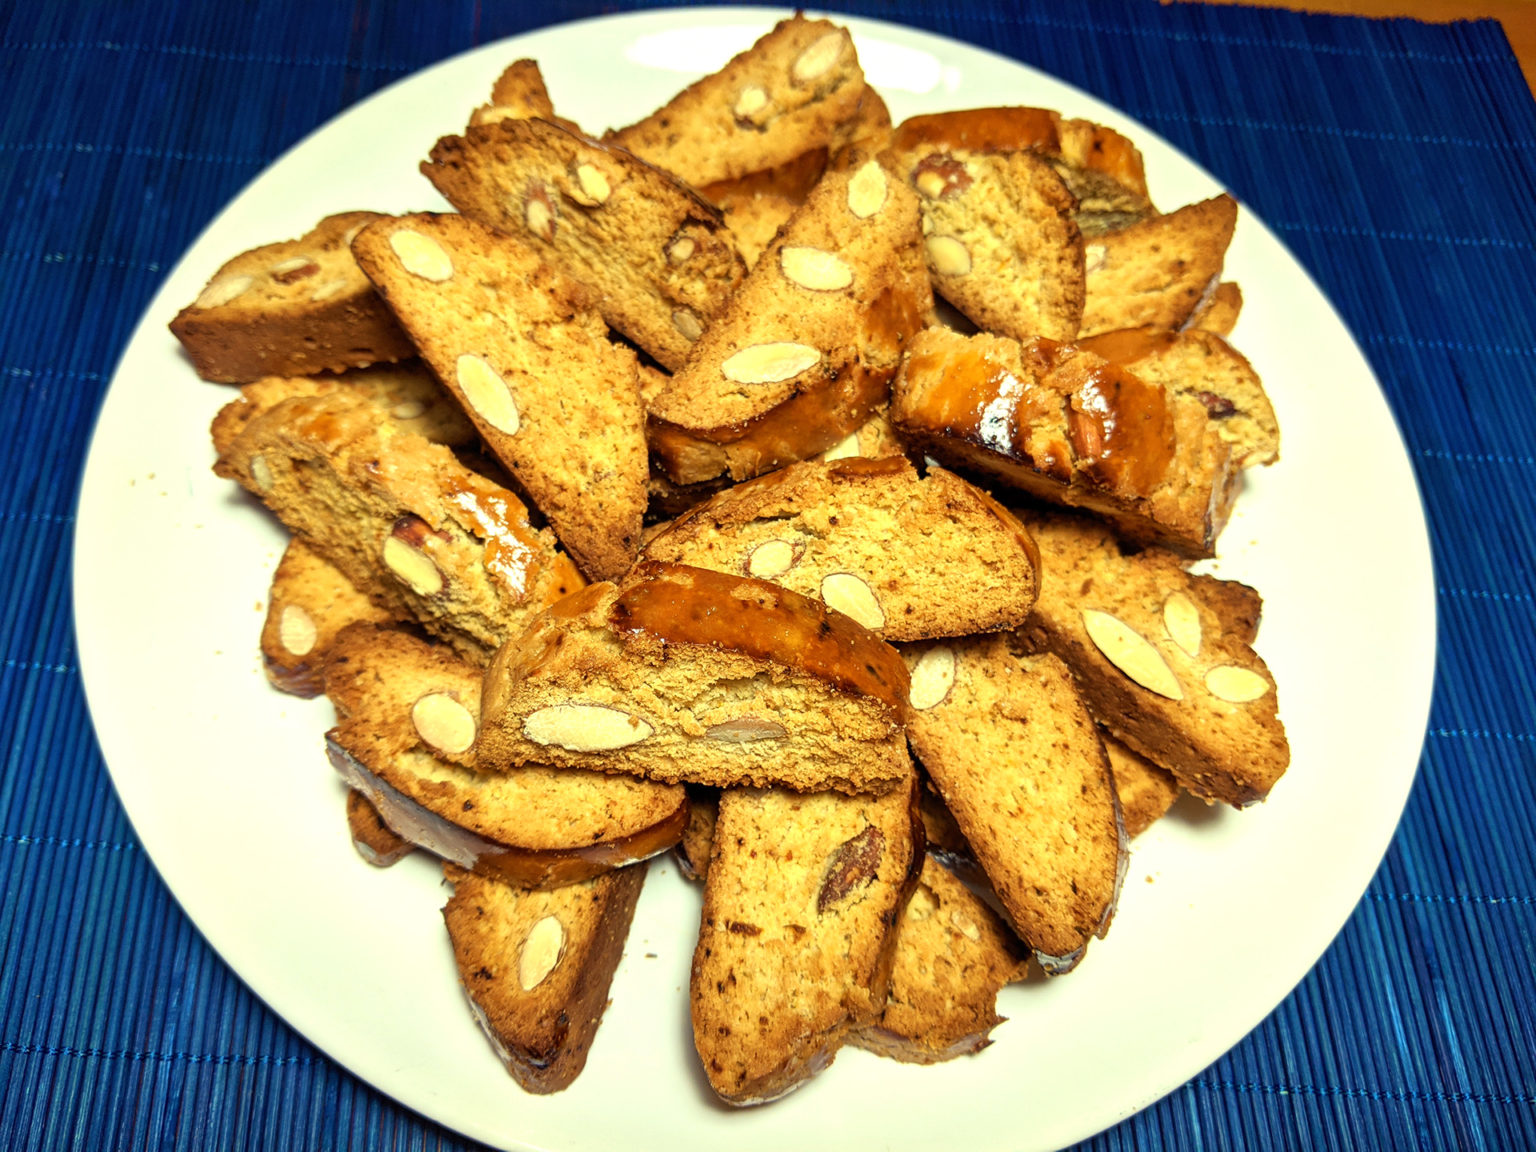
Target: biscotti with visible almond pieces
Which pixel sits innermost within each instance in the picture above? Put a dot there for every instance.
(804, 352)
(682, 674)
(953, 955)
(908, 557)
(1019, 763)
(375, 841)
(290, 309)
(786, 95)
(424, 537)
(1163, 657)
(798, 931)
(407, 715)
(1157, 272)
(310, 602)
(523, 349)
(536, 966)
(658, 255)
(1068, 427)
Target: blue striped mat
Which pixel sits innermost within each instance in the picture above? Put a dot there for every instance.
(127, 125)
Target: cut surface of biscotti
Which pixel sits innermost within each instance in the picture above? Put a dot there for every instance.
(1146, 791)
(786, 95)
(310, 602)
(682, 674)
(1020, 765)
(375, 841)
(289, 309)
(797, 935)
(953, 955)
(1163, 656)
(804, 352)
(658, 256)
(999, 235)
(1157, 272)
(908, 557)
(1219, 311)
(1201, 364)
(527, 355)
(519, 93)
(536, 965)
(1068, 427)
(424, 537)
(407, 716)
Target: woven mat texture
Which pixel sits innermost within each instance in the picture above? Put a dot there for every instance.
(1397, 160)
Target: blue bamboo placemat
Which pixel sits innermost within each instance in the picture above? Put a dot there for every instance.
(1396, 159)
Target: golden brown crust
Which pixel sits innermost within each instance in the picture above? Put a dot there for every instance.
(309, 604)
(1146, 791)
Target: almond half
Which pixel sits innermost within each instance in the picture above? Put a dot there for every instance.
(585, 727)
(1132, 653)
(487, 393)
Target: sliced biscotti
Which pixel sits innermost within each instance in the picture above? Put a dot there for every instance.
(375, 841)
(1070, 428)
(526, 353)
(290, 309)
(424, 537)
(1018, 760)
(953, 955)
(682, 674)
(310, 602)
(908, 557)
(805, 350)
(407, 716)
(1157, 272)
(1146, 791)
(797, 936)
(519, 93)
(1000, 238)
(1201, 364)
(658, 256)
(1218, 311)
(1164, 658)
(536, 965)
(875, 438)
(786, 95)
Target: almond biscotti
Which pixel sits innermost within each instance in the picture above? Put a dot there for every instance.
(1068, 427)
(682, 674)
(424, 537)
(519, 93)
(290, 309)
(907, 557)
(523, 349)
(657, 255)
(408, 715)
(785, 96)
(1019, 763)
(375, 841)
(536, 965)
(805, 350)
(309, 604)
(1164, 658)
(1146, 791)
(797, 936)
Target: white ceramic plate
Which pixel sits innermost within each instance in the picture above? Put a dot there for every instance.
(227, 785)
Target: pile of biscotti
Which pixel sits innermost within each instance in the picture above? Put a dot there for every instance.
(807, 496)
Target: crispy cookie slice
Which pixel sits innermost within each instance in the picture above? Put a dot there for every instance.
(290, 309)
(527, 355)
(658, 256)
(1164, 658)
(519, 94)
(1019, 763)
(683, 674)
(375, 841)
(908, 557)
(309, 604)
(536, 965)
(1146, 791)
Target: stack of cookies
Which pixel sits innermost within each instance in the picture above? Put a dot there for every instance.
(810, 496)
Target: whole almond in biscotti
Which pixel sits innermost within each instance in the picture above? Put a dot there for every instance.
(536, 966)
(1207, 711)
(804, 352)
(683, 674)
(907, 557)
(408, 716)
(1067, 426)
(658, 257)
(790, 93)
(1157, 272)
(526, 353)
(797, 938)
(291, 309)
(1020, 765)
